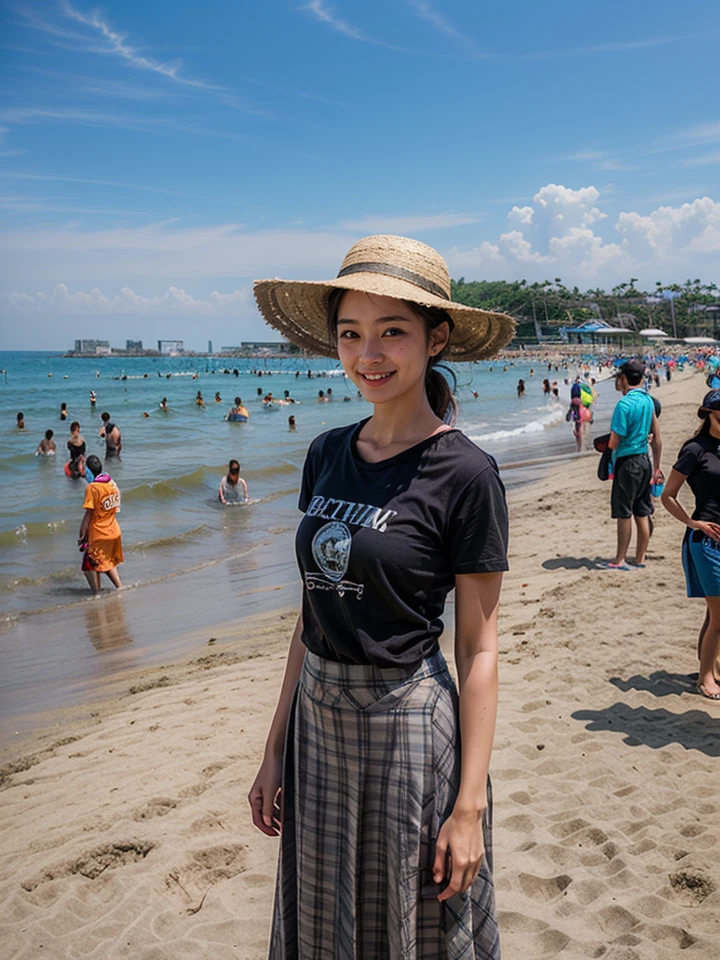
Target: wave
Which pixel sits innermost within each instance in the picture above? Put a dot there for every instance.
(173, 541)
(534, 426)
(25, 531)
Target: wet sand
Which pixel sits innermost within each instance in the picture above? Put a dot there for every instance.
(127, 834)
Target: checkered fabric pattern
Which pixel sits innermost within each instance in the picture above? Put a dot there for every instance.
(372, 769)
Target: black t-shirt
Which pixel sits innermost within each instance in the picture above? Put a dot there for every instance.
(380, 543)
(699, 461)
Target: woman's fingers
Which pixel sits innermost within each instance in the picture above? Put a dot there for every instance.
(440, 859)
(261, 817)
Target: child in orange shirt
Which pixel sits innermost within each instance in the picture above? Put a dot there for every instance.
(100, 537)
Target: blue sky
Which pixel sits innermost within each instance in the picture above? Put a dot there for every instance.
(156, 157)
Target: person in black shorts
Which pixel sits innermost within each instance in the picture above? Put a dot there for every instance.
(634, 422)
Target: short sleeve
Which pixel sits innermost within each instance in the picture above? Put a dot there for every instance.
(689, 459)
(89, 501)
(309, 475)
(618, 424)
(478, 526)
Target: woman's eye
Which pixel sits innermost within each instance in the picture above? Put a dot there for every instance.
(393, 332)
(348, 335)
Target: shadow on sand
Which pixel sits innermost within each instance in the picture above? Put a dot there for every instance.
(659, 684)
(693, 730)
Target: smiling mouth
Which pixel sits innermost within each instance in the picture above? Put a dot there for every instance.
(377, 377)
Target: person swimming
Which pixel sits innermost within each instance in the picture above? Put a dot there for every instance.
(199, 402)
(229, 489)
(47, 445)
(20, 421)
(292, 426)
(93, 398)
(113, 440)
(238, 413)
(63, 411)
(218, 398)
(75, 467)
(164, 404)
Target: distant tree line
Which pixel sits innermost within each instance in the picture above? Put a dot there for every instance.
(690, 309)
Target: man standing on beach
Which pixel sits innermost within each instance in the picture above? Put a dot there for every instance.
(633, 422)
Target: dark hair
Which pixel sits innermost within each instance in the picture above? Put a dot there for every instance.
(702, 431)
(439, 391)
(63, 406)
(238, 401)
(74, 426)
(233, 466)
(94, 465)
(105, 416)
(49, 434)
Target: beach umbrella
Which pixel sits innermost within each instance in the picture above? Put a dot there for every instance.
(699, 340)
(652, 332)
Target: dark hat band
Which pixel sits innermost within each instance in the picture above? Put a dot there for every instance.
(401, 273)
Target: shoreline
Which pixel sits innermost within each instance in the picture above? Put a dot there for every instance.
(94, 642)
(127, 832)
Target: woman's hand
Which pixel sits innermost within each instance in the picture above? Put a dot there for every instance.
(264, 796)
(458, 852)
(708, 528)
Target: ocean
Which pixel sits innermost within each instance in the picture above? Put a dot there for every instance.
(172, 462)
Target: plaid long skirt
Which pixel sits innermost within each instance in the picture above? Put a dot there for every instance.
(372, 769)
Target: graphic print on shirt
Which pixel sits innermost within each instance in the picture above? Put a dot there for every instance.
(332, 543)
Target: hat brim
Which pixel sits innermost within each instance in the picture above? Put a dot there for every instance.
(298, 309)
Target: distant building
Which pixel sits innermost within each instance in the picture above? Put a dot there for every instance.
(93, 347)
(209, 346)
(276, 346)
(133, 346)
(230, 349)
(169, 347)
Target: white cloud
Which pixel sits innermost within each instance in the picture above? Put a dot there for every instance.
(704, 160)
(171, 269)
(128, 303)
(558, 235)
(323, 14)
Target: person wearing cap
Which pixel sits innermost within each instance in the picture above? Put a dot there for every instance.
(384, 818)
(698, 463)
(632, 425)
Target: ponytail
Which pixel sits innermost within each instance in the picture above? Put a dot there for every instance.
(439, 393)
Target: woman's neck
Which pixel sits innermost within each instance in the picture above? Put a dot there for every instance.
(403, 423)
(714, 430)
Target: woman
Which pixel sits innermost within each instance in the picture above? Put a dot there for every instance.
(384, 821)
(699, 463)
(100, 538)
(75, 467)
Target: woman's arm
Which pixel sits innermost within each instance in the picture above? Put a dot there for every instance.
(677, 510)
(476, 606)
(245, 488)
(220, 492)
(264, 791)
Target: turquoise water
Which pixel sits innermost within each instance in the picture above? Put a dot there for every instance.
(172, 462)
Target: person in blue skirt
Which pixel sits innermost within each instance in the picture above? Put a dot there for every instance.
(698, 463)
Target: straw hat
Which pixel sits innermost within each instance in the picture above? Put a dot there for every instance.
(390, 267)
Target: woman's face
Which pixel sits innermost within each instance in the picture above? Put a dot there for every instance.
(383, 346)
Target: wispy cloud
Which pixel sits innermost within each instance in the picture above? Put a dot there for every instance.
(410, 224)
(48, 178)
(115, 43)
(5, 154)
(323, 14)
(705, 160)
(93, 118)
(14, 203)
(599, 160)
(431, 16)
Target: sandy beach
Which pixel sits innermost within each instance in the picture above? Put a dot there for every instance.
(125, 826)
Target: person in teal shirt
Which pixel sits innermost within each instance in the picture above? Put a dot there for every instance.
(634, 427)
